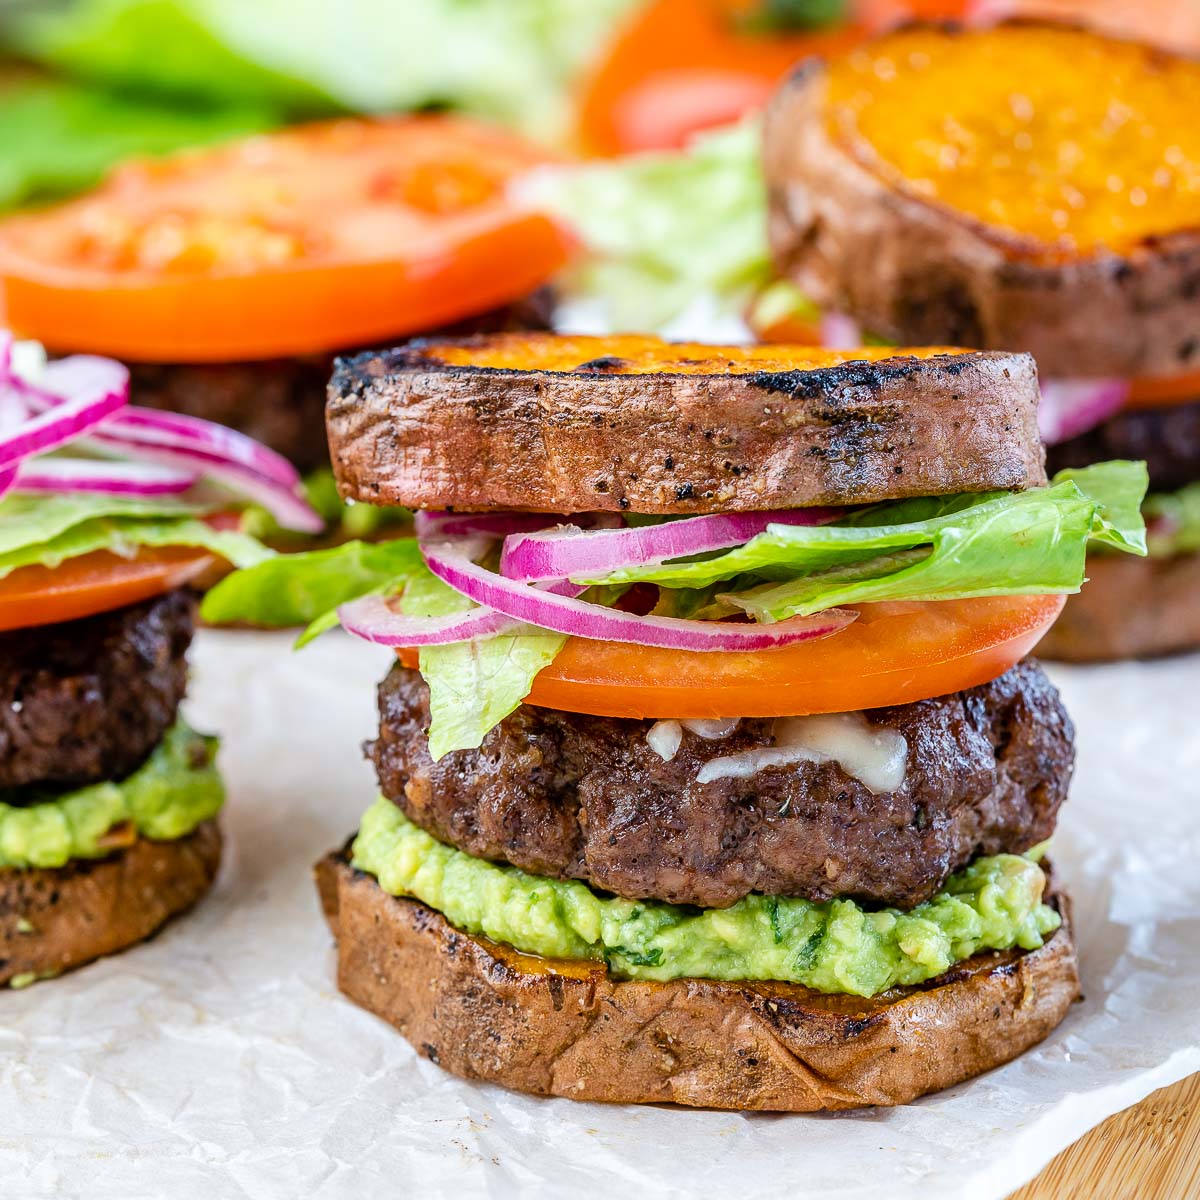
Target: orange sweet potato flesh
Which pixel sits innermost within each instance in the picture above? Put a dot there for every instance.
(1022, 187)
(632, 354)
(1068, 140)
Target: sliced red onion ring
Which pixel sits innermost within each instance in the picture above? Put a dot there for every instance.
(8, 478)
(840, 332)
(179, 431)
(1070, 407)
(373, 619)
(568, 552)
(63, 423)
(66, 376)
(91, 475)
(579, 618)
(284, 503)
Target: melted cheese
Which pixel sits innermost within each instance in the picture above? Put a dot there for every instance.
(877, 757)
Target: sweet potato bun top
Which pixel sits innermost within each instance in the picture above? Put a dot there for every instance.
(1070, 140)
(548, 423)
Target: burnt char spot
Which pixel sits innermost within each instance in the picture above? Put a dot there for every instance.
(825, 383)
(685, 491)
(605, 363)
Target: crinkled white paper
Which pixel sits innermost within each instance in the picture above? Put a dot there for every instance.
(220, 1061)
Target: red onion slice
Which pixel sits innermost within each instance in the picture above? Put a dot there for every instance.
(1070, 407)
(8, 478)
(373, 619)
(148, 426)
(113, 478)
(181, 432)
(579, 618)
(568, 552)
(63, 423)
(284, 503)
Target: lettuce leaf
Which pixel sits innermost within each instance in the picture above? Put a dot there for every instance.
(1174, 519)
(306, 589)
(60, 137)
(47, 530)
(933, 548)
(930, 548)
(512, 60)
(642, 219)
(473, 686)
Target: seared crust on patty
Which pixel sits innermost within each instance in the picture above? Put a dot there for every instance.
(54, 920)
(558, 1028)
(88, 700)
(1129, 608)
(915, 271)
(577, 424)
(575, 796)
(1168, 438)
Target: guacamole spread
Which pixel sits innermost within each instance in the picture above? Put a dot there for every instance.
(837, 946)
(171, 793)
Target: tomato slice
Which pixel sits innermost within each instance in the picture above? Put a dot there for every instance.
(893, 654)
(1163, 390)
(680, 66)
(320, 237)
(94, 583)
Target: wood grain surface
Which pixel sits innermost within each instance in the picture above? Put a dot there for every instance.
(1148, 1152)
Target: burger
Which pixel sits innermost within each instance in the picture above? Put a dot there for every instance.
(1025, 187)
(713, 768)
(108, 798)
(227, 277)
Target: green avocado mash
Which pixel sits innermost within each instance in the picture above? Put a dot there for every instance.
(994, 904)
(171, 793)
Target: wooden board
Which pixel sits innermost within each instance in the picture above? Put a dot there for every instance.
(1148, 1152)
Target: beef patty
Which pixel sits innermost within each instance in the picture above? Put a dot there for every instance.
(574, 796)
(281, 402)
(1167, 438)
(88, 700)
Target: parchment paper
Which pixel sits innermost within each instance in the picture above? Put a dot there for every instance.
(220, 1061)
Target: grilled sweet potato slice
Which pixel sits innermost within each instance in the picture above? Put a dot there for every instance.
(572, 424)
(560, 1028)
(1024, 187)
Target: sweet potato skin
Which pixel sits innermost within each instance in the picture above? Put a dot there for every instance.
(54, 920)
(486, 1012)
(1129, 608)
(406, 427)
(915, 271)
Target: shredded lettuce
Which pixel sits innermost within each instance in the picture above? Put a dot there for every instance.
(937, 548)
(47, 530)
(643, 219)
